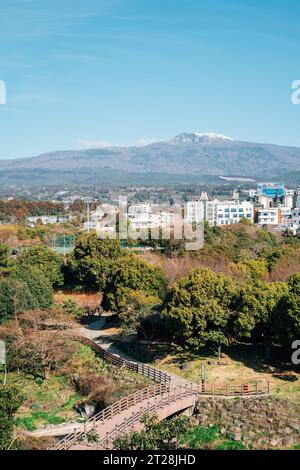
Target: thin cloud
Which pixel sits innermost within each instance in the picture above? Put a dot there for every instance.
(92, 144)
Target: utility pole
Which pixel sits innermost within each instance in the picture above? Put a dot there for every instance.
(3, 360)
(203, 377)
(88, 216)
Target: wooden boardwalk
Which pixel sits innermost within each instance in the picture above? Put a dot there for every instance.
(170, 395)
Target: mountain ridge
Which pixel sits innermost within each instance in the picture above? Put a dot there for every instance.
(188, 156)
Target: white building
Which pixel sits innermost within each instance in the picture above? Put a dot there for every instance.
(144, 220)
(286, 215)
(99, 216)
(296, 216)
(228, 212)
(271, 216)
(139, 209)
(195, 211)
(46, 219)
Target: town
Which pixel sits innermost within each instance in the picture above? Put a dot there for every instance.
(269, 204)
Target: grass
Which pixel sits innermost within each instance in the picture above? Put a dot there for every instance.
(52, 401)
(37, 419)
(230, 445)
(46, 402)
(201, 435)
(242, 363)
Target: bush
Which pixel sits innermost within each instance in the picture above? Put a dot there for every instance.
(201, 435)
(231, 445)
(10, 401)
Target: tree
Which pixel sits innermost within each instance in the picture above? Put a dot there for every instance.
(4, 254)
(252, 269)
(10, 401)
(46, 260)
(257, 307)
(92, 261)
(199, 307)
(39, 352)
(15, 297)
(39, 286)
(287, 321)
(131, 273)
(155, 435)
(140, 308)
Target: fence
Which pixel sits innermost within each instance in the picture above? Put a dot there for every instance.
(167, 396)
(142, 369)
(164, 389)
(111, 411)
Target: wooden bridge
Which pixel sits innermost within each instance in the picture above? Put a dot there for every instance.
(170, 395)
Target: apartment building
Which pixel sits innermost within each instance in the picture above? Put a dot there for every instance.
(296, 216)
(228, 212)
(271, 216)
(195, 211)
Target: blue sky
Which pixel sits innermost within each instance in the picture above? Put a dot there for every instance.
(83, 73)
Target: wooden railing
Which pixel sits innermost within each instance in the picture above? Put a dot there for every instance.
(166, 395)
(142, 369)
(111, 411)
(164, 389)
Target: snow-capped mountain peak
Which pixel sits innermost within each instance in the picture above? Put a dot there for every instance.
(199, 137)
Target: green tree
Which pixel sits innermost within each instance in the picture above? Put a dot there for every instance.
(15, 297)
(10, 401)
(155, 435)
(39, 286)
(131, 273)
(287, 321)
(46, 260)
(257, 307)
(4, 254)
(199, 307)
(72, 308)
(140, 307)
(92, 261)
(253, 269)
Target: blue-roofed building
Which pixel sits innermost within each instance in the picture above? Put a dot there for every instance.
(271, 189)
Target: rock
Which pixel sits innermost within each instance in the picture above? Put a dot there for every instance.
(194, 421)
(252, 434)
(288, 441)
(236, 429)
(237, 436)
(262, 441)
(276, 442)
(86, 410)
(184, 367)
(223, 430)
(296, 427)
(287, 430)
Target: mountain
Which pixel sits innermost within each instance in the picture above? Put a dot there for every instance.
(199, 137)
(187, 158)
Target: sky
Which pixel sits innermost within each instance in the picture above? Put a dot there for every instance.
(91, 73)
